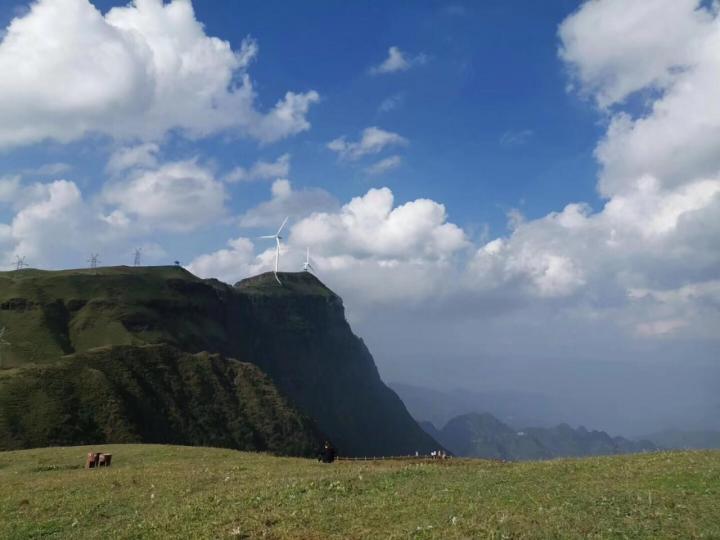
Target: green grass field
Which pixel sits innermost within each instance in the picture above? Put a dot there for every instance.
(169, 491)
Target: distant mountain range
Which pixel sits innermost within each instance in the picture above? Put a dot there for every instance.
(516, 409)
(273, 355)
(483, 435)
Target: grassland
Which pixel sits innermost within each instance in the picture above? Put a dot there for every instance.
(183, 492)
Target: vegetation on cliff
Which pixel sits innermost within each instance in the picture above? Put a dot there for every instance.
(296, 333)
(151, 394)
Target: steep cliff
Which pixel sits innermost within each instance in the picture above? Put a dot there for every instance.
(295, 332)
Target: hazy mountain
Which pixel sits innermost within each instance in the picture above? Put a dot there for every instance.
(296, 333)
(513, 408)
(483, 435)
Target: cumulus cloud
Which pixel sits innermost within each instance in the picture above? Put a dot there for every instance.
(641, 269)
(230, 264)
(615, 48)
(141, 155)
(9, 188)
(372, 141)
(384, 165)
(54, 216)
(54, 225)
(287, 201)
(136, 72)
(398, 60)
(175, 196)
(369, 246)
(671, 46)
(372, 227)
(261, 170)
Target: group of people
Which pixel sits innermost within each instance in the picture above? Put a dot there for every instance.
(327, 453)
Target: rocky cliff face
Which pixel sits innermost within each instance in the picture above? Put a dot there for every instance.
(295, 332)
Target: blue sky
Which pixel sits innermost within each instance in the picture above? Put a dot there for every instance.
(486, 184)
(480, 84)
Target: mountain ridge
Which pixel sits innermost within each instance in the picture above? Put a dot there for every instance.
(295, 332)
(483, 435)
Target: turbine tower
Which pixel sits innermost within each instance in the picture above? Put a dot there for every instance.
(277, 238)
(3, 343)
(93, 260)
(307, 265)
(20, 262)
(138, 252)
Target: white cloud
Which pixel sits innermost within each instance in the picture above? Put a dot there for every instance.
(392, 102)
(261, 170)
(9, 188)
(288, 117)
(670, 46)
(384, 165)
(136, 72)
(55, 217)
(286, 202)
(229, 265)
(398, 60)
(176, 196)
(616, 47)
(372, 141)
(371, 227)
(141, 155)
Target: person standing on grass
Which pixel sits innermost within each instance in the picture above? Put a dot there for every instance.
(327, 453)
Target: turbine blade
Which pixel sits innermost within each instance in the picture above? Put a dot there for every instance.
(281, 226)
(268, 236)
(278, 279)
(277, 255)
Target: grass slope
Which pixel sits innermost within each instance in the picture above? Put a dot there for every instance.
(182, 492)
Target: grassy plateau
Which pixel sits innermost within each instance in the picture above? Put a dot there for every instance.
(154, 491)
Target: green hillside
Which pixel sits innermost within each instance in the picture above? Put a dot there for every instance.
(295, 332)
(182, 492)
(151, 393)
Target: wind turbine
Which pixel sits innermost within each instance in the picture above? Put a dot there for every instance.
(277, 238)
(307, 265)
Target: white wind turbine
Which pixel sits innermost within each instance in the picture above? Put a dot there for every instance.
(277, 238)
(307, 265)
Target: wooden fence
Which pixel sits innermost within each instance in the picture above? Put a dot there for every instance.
(388, 458)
